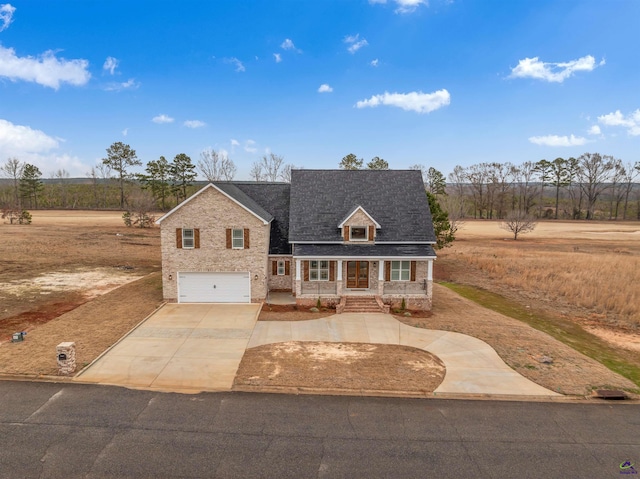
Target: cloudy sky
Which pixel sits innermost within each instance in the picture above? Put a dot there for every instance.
(437, 82)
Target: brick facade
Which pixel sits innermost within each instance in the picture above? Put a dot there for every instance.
(212, 213)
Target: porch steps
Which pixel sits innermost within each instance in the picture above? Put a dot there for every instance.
(361, 304)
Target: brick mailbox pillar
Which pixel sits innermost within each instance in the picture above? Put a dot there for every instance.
(66, 358)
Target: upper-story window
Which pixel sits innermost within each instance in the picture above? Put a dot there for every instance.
(188, 238)
(237, 236)
(358, 233)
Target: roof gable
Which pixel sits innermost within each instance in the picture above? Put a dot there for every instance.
(231, 192)
(322, 199)
(355, 210)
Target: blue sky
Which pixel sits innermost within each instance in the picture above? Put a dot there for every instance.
(439, 83)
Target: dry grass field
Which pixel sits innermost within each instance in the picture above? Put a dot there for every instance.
(587, 272)
(84, 276)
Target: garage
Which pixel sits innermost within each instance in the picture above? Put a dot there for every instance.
(214, 287)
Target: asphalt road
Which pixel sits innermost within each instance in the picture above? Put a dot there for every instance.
(67, 431)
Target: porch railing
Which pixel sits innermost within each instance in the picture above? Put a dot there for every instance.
(319, 288)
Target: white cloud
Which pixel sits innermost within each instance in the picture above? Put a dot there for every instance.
(277, 57)
(237, 63)
(555, 140)
(162, 119)
(594, 130)
(404, 6)
(110, 65)
(46, 70)
(16, 139)
(325, 88)
(249, 146)
(194, 124)
(413, 101)
(234, 142)
(631, 121)
(374, 63)
(6, 15)
(354, 43)
(125, 132)
(552, 72)
(37, 148)
(130, 84)
(288, 45)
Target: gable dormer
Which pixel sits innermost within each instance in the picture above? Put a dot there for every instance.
(359, 227)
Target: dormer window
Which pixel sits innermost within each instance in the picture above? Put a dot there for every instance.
(358, 233)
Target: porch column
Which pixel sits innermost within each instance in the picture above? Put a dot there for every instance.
(339, 285)
(381, 266)
(430, 270)
(339, 277)
(298, 283)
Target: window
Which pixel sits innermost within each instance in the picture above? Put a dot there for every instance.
(358, 233)
(188, 238)
(237, 239)
(281, 268)
(400, 270)
(318, 271)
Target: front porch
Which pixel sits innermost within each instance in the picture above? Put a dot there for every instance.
(391, 280)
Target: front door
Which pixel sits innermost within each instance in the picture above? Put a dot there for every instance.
(357, 274)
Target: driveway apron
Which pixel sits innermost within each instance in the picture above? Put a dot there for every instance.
(181, 347)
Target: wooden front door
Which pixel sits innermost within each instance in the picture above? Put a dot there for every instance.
(358, 274)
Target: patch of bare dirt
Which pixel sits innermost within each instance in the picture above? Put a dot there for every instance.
(340, 366)
(94, 326)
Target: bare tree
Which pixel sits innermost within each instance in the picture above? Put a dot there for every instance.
(518, 222)
(527, 190)
(256, 172)
(13, 169)
(268, 168)
(631, 172)
(285, 174)
(594, 171)
(455, 208)
(216, 166)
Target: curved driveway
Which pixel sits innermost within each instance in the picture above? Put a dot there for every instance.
(198, 347)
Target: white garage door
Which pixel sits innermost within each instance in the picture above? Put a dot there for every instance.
(214, 288)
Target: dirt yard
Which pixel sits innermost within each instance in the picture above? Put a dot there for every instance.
(85, 277)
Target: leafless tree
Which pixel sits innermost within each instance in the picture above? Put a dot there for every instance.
(13, 169)
(527, 190)
(631, 172)
(269, 166)
(455, 207)
(285, 174)
(594, 171)
(518, 222)
(140, 203)
(216, 166)
(256, 173)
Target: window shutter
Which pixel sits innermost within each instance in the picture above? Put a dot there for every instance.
(287, 268)
(306, 270)
(179, 238)
(346, 233)
(274, 268)
(246, 238)
(413, 271)
(196, 238)
(387, 271)
(371, 230)
(228, 238)
(332, 270)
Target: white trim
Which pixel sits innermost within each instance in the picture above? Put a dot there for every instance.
(339, 267)
(316, 242)
(405, 242)
(233, 238)
(367, 258)
(210, 185)
(341, 225)
(192, 238)
(430, 271)
(298, 268)
(366, 234)
(381, 268)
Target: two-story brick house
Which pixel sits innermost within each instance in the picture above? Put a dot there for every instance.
(330, 234)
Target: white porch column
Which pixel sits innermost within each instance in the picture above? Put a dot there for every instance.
(430, 270)
(339, 276)
(298, 268)
(381, 266)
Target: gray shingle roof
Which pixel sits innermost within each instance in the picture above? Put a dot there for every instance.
(273, 197)
(396, 199)
(380, 250)
(231, 189)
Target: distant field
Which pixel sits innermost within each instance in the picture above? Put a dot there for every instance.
(586, 271)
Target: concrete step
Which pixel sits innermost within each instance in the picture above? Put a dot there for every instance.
(361, 305)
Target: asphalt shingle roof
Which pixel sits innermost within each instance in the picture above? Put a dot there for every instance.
(231, 189)
(396, 199)
(274, 199)
(380, 250)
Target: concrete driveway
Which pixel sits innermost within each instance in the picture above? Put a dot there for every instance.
(198, 347)
(181, 347)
